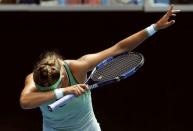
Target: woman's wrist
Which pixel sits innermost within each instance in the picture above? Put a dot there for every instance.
(59, 93)
(152, 29)
(157, 27)
(67, 90)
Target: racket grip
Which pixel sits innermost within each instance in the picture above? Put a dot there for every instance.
(64, 100)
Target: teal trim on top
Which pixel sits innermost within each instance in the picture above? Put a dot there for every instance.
(71, 77)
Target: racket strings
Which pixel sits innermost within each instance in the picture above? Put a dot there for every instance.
(117, 67)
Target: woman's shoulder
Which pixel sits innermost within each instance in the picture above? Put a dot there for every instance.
(71, 63)
(29, 79)
(29, 76)
(74, 65)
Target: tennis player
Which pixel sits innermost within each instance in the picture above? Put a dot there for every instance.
(53, 77)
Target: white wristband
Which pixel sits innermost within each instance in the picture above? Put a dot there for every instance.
(151, 30)
(58, 93)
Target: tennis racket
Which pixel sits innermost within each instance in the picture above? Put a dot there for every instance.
(111, 70)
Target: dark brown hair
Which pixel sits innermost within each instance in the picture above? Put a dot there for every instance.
(47, 70)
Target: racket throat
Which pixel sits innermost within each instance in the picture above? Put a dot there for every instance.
(93, 86)
(117, 79)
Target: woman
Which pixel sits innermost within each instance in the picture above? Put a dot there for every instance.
(54, 77)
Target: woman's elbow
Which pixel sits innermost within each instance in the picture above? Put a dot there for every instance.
(25, 103)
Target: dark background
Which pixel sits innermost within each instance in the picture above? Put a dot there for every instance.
(157, 98)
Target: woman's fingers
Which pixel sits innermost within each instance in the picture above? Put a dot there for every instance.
(171, 22)
(169, 12)
(176, 11)
(174, 15)
(80, 89)
(165, 21)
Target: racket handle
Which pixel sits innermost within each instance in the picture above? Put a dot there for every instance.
(64, 100)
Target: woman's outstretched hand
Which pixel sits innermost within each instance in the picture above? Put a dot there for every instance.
(164, 22)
